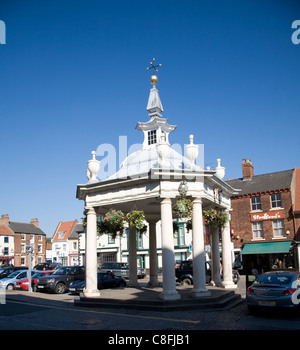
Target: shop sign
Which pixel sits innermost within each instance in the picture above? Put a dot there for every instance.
(270, 215)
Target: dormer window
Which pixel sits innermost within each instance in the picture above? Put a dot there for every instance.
(152, 137)
(61, 234)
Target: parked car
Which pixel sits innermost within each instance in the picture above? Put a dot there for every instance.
(44, 266)
(184, 273)
(274, 290)
(121, 269)
(24, 283)
(10, 281)
(6, 271)
(60, 280)
(105, 280)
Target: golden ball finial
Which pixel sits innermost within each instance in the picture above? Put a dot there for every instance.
(154, 79)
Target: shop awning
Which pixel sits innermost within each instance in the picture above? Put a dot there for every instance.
(266, 248)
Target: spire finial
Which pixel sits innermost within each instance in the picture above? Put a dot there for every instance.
(154, 78)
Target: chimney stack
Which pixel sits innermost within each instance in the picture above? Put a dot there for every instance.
(248, 170)
(35, 222)
(4, 219)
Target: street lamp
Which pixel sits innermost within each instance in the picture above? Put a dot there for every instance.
(30, 250)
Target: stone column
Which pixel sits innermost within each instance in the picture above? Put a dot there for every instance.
(168, 260)
(199, 275)
(153, 282)
(226, 257)
(132, 258)
(215, 261)
(91, 265)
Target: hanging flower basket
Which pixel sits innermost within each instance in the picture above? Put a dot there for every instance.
(183, 208)
(137, 218)
(217, 219)
(113, 223)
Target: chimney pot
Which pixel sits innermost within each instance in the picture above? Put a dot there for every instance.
(35, 222)
(247, 168)
(4, 219)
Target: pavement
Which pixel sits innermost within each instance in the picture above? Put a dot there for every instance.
(143, 298)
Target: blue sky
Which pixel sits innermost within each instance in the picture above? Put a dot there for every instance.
(73, 76)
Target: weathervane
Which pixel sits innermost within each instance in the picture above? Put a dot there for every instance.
(154, 67)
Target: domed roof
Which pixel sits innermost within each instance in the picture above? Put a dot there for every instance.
(142, 161)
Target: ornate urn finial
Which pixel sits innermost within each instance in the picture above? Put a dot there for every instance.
(93, 168)
(163, 151)
(192, 151)
(220, 170)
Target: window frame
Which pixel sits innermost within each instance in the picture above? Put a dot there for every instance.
(256, 203)
(255, 230)
(275, 229)
(152, 137)
(276, 201)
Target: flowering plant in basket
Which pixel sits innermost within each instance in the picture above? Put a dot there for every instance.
(183, 208)
(137, 218)
(112, 223)
(217, 219)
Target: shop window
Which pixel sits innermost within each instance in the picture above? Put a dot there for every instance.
(255, 203)
(257, 228)
(276, 200)
(278, 228)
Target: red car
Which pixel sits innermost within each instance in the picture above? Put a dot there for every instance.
(23, 284)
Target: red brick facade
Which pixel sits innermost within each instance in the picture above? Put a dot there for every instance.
(241, 223)
(21, 242)
(264, 212)
(24, 234)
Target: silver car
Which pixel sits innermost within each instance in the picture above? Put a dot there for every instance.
(121, 269)
(275, 289)
(10, 281)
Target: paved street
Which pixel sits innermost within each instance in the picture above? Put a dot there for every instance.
(42, 311)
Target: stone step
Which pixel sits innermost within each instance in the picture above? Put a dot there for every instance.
(224, 301)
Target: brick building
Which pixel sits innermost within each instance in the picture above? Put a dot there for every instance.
(22, 234)
(65, 243)
(264, 223)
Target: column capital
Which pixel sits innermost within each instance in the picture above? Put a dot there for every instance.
(90, 209)
(166, 200)
(197, 200)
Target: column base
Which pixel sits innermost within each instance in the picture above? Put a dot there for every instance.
(133, 284)
(200, 293)
(228, 285)
(169, 295)
(153, 284)
(215, 283)
(91, 293)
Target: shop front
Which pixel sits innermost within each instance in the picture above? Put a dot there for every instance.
(262, 257)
